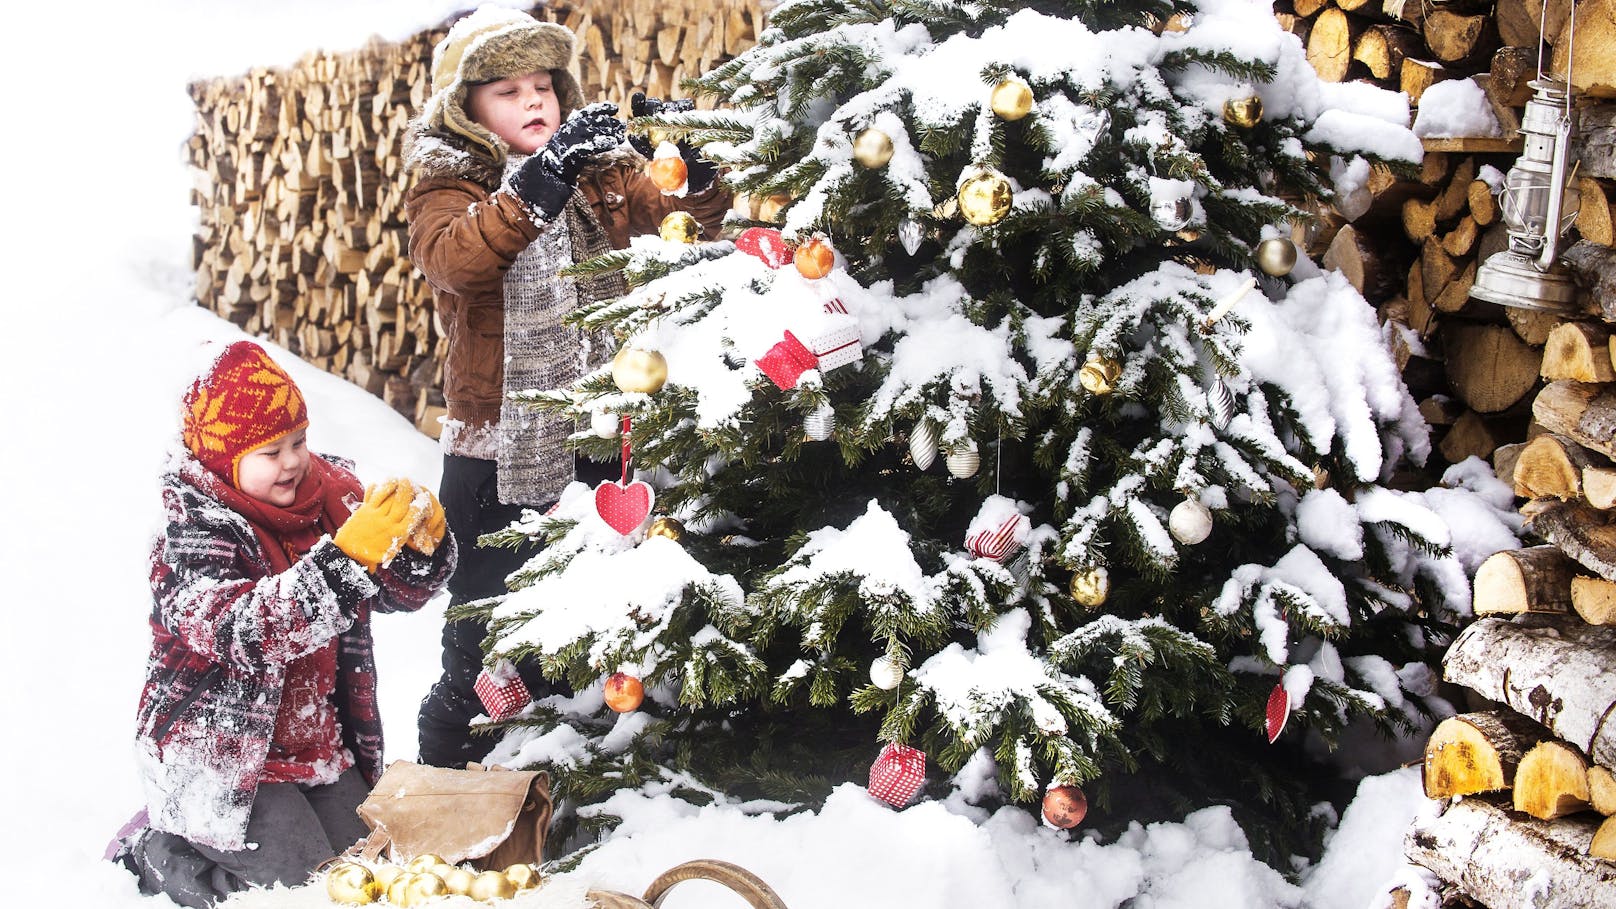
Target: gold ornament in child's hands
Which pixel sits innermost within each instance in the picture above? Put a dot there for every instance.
(523, 877)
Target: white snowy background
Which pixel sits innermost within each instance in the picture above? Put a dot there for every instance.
(99, 338)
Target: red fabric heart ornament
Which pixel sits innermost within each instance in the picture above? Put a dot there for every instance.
(624, 508)
(766, 244)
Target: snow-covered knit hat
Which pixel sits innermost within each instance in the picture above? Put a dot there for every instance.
(242, 401)
(497, 43)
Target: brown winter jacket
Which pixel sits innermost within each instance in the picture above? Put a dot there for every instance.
(464, 236)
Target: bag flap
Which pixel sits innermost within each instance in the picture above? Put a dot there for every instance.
(455, 814)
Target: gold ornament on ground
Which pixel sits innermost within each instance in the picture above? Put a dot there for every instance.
(1011, 99)
(426, 886)
(386, 874)
(491, 885)
(664, 526)
(984, 197)
(352, 883)
(1243, 112)
(458, 880)
(636, 370)
(524, 877)
(679, 227)
(1276, 256)
(426, 861)
(1090, 586)
(1099, 375)
(872, 148)
(399, 892)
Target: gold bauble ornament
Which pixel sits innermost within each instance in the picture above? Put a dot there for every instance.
(522, 876)
(1276, 256)
(636, 370)
(984, 197)
(658, 135)
(352, 883)
(426, 861)
(1011, 99)
(769, 209)
(458, 880)
(1090, 586)
(490, 886)
(426, 886)
(386, 874)
(872, 148)
(1243, 112)
(679, 227)
(399, 892)
(1099, 375)
(664, 526)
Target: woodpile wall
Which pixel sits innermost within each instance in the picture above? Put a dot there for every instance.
(300, 180)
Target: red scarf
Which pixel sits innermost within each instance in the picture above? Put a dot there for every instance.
(322, 504)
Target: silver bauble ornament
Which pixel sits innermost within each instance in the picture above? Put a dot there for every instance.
(909, 234)
(819, 424)
(1190, 522)
(1173, 215)
(1219, 403)
(964, 460)
(923, 444)
(1276, 256)
(886, 673)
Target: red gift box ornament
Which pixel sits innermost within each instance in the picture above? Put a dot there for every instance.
(624, 506)
(786, 361)
(501, 691)
(766, 245)
(1279, 710)
(897, 774)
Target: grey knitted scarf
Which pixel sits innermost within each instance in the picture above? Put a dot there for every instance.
(542, 353)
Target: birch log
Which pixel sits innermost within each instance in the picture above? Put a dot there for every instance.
(1506, 861)
(1477, 752)
(1555, 670)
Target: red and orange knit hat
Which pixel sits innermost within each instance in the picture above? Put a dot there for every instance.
(243, 401)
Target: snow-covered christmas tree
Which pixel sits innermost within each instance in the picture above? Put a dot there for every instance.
(1011, 430)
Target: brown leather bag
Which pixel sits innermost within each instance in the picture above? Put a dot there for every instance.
(491, 818)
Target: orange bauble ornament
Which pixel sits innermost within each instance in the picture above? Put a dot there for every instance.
(1065, 806)
(815, 258)
(668, 172)
(624, 692)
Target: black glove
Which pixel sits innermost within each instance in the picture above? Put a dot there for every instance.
(701, 171)
(547, 179)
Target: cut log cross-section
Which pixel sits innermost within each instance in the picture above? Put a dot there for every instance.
(1582, 532)
(1556, 670)
(1594, 599)
(1579, 351)
(1477, 752)
(1551, 781)
(1602, 790)
(1552, 465)
(1490, 367)
(1498, 859)
(1537, 579)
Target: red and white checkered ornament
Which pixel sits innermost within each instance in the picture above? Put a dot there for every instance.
(501, 691)
(897, 774)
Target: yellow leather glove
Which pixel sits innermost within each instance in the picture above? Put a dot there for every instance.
(376, 530)
(430, 523)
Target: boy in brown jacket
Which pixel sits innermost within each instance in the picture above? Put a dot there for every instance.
(515, 179)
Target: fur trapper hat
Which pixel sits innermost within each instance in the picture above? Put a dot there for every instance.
(496, 43)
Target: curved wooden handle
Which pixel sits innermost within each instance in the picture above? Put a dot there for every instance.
(736, 878)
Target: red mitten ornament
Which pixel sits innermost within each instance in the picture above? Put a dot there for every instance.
(501, 691)
(1279, 710)
(624, 507)
(765, 244)
(897, 774)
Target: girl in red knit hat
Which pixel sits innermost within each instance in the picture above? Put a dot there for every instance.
(258, 734)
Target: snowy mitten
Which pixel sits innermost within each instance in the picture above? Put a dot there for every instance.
(376, 530)
(700, 171)
(429, 524)
(546, 180)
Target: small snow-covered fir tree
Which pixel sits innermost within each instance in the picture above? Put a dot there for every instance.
(1159, 503)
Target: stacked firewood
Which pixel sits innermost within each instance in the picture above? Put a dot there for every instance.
(299, 182)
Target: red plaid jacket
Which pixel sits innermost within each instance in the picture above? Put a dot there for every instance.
(224, 629)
